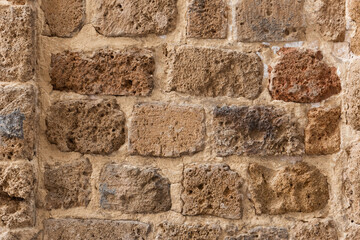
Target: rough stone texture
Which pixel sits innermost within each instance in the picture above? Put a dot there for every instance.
(303, 76)
(113, 18)
(212, 190)
(272, 20)
(18, 2)
(16, 43)
(257, 130)
(322, 133)
(126, 72)
(212, 72)
(295, 188)
(353, 233)
(16, 195)
(63, 18)
(352, 96)
(134, 190)
(93, 229)
(172, 231)
(22, 235)
(68, 185)
(172, 130)
(263, 233)
(355, 42)
(353, 8)
(207, 19)
(316, 230)
(17, 121)
(86, 126)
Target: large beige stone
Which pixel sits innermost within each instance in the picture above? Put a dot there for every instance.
(86, 126)
(167, 230)
(316, 230)
(166, 130)
(210, 72)
(134, 190)
(263, 233)
(295, 188)
(212, 189)
(352, 95)
(354, 9)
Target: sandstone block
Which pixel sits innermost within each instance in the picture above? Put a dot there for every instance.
(18, 2)
(68, 185)
(207, 19)
(22, 235)
(86, 126)
(352, 95)
(212, 72)
(134, 18)
(212, 190)
(263, 233)
(172, 231)
(354, 7)
(134, 190)
(16, 43)
(273, 20)
(316, 230)
(17, 121)
(353, 233)
(63, 18)
(172, 130)
(295, 188)
(258, 130)
(303, 76)
(93, 229)
(127, 72)
(355, 42)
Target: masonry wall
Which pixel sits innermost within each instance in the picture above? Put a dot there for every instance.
(179, 119)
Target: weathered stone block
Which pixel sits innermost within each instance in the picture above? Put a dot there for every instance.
(86, 126)
(322, 133)
(272, 20)
(212, 190)
(207, 19)
(263, 233)
(295, 188)
(93, 229)
(316, 230)
(303, 76)
(127, 72)
(17, 121)
(211, 72)
(134, 190)
(258, 130)
(352, 95)
(354, 7)
(172, 231)
(16, 43)
(68, 185)
(134, 18)
(63, 18)
(22, 235)
(172, 130)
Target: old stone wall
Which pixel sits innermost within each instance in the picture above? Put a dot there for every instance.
(179, 119)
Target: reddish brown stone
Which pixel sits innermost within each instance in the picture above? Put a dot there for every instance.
(303, 76)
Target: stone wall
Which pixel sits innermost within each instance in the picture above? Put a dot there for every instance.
(179, 119)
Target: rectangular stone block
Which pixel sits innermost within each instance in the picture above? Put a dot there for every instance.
(263, 233)
(352, 95)
(315, 230)
(166, 130)
(174, 231)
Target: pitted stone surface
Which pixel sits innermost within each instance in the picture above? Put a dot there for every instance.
(316, 230)
(172, 130)
(272, 20)
(173, 231)
(114, 18)
(126, 72)
(16, 43)
(303, 76)
(212, 72)
(263, 233)
(68, 185)
(86, 126)
(258, 130)
(93, 229)
(63, 18)
(352, 96)
(207, 19)
(134, 190)
(295, 188)
(212, 189)
(354, 7)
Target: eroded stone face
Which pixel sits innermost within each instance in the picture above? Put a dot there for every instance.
(316, 230)
(295, 188)
(173, 231)
(352, 96)
(212, 189)
(113, 18)
(172, 130)
(272, 20)
(16, 43)
(63, 18)
(354, 7)
(126, 72)
(207, 19)
(322, 133)
(212, 72)
(258, 130)
(263, 233)
(86, 126)
(303, 76)
(93, 229)
(68, 185)
(134, 190)
(22, 235)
